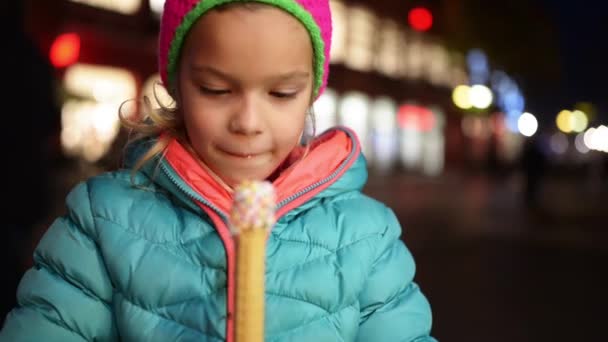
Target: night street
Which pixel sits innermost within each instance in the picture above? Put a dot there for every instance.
(492, 273)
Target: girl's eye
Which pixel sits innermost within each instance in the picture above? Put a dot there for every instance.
(211, 91)
(283, 95)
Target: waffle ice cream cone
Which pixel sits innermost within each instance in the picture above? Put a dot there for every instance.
(252, 216)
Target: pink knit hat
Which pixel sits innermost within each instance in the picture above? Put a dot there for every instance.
(180, 15)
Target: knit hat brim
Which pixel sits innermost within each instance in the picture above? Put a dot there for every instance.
(289, 6)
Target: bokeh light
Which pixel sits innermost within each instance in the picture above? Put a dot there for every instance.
(479, 69)
(597, 138)
(563, 121)
(588, 138)
(461, 97)
(420, 19)
(602, 138)
(325, 111)
(65, 50)
(527, 124)
(580, 145)
(579, 121)
(123, 6)
(480, 96)
(156, 6)
(572, 121)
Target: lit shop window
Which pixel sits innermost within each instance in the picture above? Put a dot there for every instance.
(100, 83)
(413, 57)
(428, 61)
(354, 112)
(414, 123)
(89, 118)
(156, 93)
(433, 155)
(120, 6)
(324, 110)
(365, 42)
(339, 29)
(384, 133)
(438, 65)
(422, 138)
(384, 114)
(360, 40)
(416, 118)
(390, 46)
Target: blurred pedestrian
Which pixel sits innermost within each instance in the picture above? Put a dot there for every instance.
(534, 164)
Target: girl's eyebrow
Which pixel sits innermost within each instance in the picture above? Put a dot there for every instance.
(291, 76)
(288, 76)
(204, 69)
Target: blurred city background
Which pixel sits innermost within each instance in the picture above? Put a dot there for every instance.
(485, 124)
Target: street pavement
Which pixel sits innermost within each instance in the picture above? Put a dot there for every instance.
(494, 270)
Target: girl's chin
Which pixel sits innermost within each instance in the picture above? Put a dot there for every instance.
(234, 180)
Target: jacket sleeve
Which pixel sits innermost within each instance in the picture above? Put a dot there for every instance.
(392, 306)
(66, 296)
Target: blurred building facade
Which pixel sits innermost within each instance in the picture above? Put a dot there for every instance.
(392, 81)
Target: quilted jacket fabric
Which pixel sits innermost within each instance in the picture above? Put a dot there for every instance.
(147, 264)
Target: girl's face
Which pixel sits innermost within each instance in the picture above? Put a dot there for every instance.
(245, 84)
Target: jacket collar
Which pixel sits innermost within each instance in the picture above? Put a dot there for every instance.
(333, 164)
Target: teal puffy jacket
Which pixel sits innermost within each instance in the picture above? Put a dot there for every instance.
(156, 262)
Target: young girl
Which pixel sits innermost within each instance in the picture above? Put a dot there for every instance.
(144, 254)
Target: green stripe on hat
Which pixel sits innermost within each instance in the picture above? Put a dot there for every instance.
(290, 6)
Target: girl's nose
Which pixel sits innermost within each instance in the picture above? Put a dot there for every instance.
(246, 119)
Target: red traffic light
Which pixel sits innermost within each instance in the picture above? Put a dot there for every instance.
(65, 50)
(420, 19)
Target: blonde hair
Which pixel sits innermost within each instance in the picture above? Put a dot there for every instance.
(150, 122)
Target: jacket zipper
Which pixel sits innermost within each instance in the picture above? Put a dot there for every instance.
(224, 218)
(226, 237)
(322, 181)
(192, 194)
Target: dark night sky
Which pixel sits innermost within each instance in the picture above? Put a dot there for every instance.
(582, 36)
